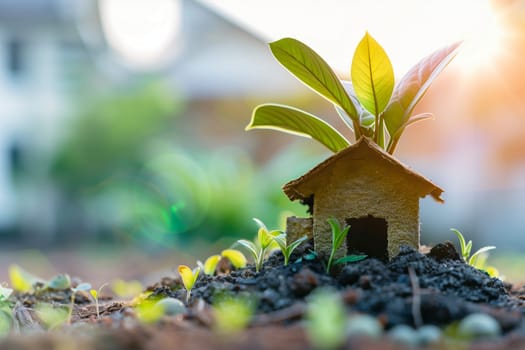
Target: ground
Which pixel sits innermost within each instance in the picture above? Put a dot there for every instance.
(443, 287)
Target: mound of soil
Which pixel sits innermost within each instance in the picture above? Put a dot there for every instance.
(448, 289)
(444, 288)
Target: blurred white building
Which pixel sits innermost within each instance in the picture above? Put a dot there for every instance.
(54, 51)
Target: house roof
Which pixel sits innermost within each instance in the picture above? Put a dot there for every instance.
(293, 188)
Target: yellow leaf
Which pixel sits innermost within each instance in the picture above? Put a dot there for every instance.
(211, 264)
(372, 75)
(126, 289)
(237, 258)
(21, 280)
(188, 276)
(93, 293)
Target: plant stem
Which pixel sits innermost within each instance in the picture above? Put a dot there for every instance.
(392, 145)
(188, 294)
(70, 314)
(329, 264)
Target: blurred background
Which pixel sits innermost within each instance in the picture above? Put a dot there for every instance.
(122, 122)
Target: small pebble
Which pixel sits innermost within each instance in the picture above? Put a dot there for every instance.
(364, 325)
(428, 334)
(171, 306)
(479, 326)
(404, 335)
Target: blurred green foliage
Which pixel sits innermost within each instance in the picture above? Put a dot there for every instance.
(111, 134)
(126, 172)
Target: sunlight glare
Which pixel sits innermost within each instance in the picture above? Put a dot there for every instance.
(484, 42)
(141, 31)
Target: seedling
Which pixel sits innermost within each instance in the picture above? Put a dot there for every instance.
(338, 237)
(466, 248)
(6, 318)
(189, 277)
(326, 319)
(370, 105)
(232, 315)
(236, 258)
(286, 249)
(94, 294)
(210, 264)
(262, 244)
(81, 287)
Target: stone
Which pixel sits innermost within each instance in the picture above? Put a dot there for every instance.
(479, 326)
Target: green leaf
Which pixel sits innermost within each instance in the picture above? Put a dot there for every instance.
(462, 242)
(82, 287)
(338, 234)
(366, 119)
(413, 86)
(61, 281)
(296, 243)
(295, 121)
(474, 256)
(372, 75)
(281, 241)
(349, 259)
(413, 120)
(311, 69)
(252, 248)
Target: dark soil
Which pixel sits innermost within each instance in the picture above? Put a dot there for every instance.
(445, 288)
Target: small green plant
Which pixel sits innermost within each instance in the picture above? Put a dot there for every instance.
(286, 249)
(232, 315)
(338, 236)
(6, 318)
(326, 319)
(370, 105)
(261, 246)
(81, 287)
(466, 248)
(189, 277)
(95, 294)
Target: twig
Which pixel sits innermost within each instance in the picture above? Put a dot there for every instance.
(416, 298)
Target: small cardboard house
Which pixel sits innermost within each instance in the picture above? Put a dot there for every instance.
(364, 187)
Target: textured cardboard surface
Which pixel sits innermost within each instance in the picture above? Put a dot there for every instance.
(359, 181)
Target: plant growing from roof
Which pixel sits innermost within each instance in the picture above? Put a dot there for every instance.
(369, 105)
(262, 244)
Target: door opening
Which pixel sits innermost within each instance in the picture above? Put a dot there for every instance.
(368, 235)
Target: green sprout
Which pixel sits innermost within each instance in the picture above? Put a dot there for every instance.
(286, 249)
(95, 294)
(466, 248)
(236, 258)
(261, 246)
(326, 319)
(189, 277)
(81, 287)
(370, 105)
(232, 315)
(338, 237)
(6, 318)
